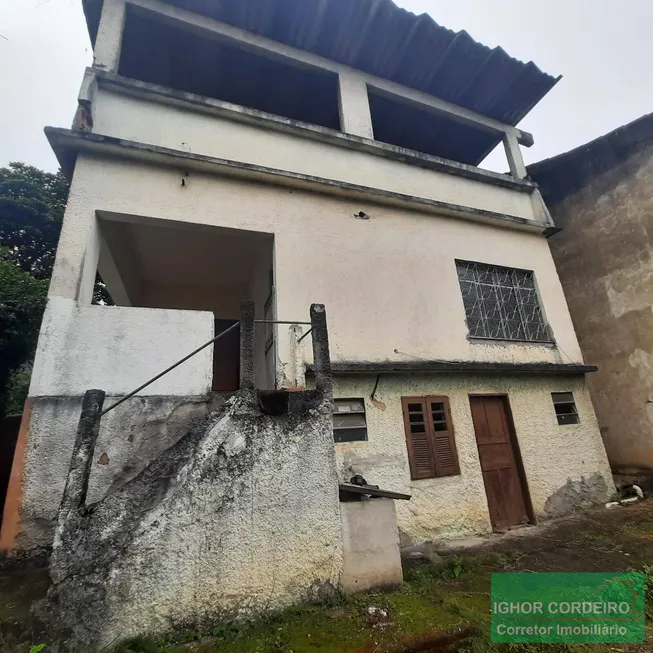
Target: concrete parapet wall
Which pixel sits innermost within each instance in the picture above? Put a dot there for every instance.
(117, 348)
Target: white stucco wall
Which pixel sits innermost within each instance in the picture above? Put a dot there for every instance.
(389, 283)
(116, 349)
(153, 123)
(453, 506)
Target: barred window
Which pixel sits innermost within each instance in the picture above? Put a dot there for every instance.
(501, 303)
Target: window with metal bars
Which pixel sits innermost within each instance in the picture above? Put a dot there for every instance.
(501, 303)
(429, 437)
(349, 421)
(565, 408)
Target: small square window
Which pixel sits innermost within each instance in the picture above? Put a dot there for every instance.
(349, 421)
(565, 408)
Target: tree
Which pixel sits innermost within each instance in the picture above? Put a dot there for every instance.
(22, 300)
(32, 204)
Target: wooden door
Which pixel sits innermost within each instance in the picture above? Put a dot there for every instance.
(497, 451)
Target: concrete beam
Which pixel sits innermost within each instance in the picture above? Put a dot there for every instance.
(294, 56)
(66, 144)
(106, 54)
(354, 106)
(211, 106)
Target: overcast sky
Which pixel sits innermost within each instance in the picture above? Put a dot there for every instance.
(603, 49)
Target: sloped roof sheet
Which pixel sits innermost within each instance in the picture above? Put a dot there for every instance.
(384, 40)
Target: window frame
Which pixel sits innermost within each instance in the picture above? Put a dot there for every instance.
(350, 412)
(550, 340)
(438, 469)
(573, 412)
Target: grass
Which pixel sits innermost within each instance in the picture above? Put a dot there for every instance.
(435, 598)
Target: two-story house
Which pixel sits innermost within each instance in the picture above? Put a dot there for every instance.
(292, 152)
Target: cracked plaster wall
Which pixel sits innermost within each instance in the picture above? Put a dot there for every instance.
(130, 437)
(239, 518)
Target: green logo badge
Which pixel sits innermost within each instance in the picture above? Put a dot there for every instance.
(558, 608)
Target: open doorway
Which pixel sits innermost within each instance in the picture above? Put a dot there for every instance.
(154, 263)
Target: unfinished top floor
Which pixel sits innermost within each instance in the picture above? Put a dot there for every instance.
(364, 95)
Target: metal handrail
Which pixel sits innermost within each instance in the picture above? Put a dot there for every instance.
(169, 369)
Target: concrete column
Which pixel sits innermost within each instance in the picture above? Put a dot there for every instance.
(247, 345)
(90, 265)
(321, 357)
(354, 104)
(106, 54)
(74, 494)
(78, 244)
(513, 154)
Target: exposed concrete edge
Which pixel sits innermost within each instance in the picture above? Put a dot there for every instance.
(203, 104)
(392, 367)
(67, 144)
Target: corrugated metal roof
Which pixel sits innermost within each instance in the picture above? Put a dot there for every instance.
(384, 40)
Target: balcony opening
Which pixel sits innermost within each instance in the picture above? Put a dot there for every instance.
(154, 263)
(195, 62)
(397, 122)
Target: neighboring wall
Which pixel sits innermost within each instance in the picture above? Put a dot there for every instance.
(604, 257)
(565, 466)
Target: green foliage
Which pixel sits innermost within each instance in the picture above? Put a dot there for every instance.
(17, 388)
(32, 203)
(37, 648)
(22, 300)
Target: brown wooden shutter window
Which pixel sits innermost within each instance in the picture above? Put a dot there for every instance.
(429, 437)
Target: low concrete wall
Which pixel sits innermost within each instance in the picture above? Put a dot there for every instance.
(130, 437)
(116, 348)
(566, 466)
(370, 544)
(239, 518)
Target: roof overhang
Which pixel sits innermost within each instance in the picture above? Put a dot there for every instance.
(440, 366)
(381, 39)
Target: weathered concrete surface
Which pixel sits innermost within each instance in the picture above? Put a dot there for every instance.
(604, 257)
(415, 246)
(130, 437)
(581, 493)
(456, 506)
(240, 517)
(370, 543)
(118, 348)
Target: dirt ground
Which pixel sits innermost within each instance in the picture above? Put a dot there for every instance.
(441, 607)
